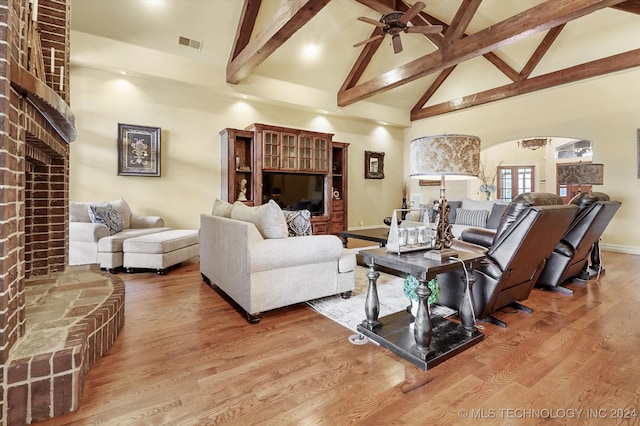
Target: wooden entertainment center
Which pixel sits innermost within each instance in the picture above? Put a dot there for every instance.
(285, 152)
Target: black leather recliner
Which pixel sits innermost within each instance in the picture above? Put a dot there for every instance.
(529, 229)
(570, 258)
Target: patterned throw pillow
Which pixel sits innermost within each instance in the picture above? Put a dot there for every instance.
(477, 218)
(298, 222)
(105, 214)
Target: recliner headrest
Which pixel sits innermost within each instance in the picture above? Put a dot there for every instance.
(538, 199)
(521, 203)
(585, 199)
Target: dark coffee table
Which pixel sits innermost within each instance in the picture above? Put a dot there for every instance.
(378, 235)
(432, 339)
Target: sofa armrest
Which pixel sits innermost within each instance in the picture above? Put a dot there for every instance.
(142, 221)
(481, 236)
(87, 231)
(294, 251)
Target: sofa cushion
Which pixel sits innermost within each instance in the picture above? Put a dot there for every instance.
(125, 211)
(79, 212)
(221, 208)
(496, 214)
(105, 214)
(113, 243)
(268, 218)
(298, 222)
(477, 218)
(470, 204)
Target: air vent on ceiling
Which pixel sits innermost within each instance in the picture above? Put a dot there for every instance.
(184, 41)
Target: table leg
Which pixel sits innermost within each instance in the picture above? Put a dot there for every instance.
(372, 303)
(465, 312)
(422, 331)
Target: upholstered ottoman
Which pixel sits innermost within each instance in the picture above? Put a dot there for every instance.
(161, 250)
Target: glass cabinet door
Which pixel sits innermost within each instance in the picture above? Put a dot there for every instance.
(306, 152)
(271, 150)
(289, 152)
(320, 151)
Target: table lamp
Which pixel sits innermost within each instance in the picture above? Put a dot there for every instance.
(580, 174)
(453, 157)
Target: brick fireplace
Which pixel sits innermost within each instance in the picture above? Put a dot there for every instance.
(36, 127)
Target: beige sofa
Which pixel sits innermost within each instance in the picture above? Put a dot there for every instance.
(261, 274)
(93, 243)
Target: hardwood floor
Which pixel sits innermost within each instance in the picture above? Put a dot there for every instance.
(185, 357)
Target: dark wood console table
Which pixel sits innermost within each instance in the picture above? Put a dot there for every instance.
(432, 339)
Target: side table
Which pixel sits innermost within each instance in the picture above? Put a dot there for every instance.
(432, 339)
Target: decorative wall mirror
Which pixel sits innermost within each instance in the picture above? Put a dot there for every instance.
(373, 165)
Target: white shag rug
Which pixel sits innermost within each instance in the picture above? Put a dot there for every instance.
(350, 312)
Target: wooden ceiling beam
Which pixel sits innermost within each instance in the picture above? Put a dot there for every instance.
(247, 22)
(540, 51)
(432, 89)
(291, 16)
(461, 20)
(361, 64)
(532, 21)
(591, 69)
(631, 6)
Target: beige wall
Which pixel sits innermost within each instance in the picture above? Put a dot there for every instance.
(190, 119)
(603, 110)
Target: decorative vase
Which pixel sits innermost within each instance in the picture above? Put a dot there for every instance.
(404, 207)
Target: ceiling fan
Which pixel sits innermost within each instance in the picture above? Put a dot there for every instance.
(396, 22)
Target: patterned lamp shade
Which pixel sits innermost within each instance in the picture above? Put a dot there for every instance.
(580, 174)
(452, 156)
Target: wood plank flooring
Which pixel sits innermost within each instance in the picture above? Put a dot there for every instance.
(186, 357)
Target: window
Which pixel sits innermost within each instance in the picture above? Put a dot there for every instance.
(514, 180)
(576, 149)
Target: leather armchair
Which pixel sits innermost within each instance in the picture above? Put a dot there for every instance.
(570, 259)
(529, 229)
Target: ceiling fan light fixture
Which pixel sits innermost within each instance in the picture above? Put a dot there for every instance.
(396, 22)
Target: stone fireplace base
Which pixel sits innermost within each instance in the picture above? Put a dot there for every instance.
(72, 319)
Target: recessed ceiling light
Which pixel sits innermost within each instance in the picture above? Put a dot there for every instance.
(311, 50)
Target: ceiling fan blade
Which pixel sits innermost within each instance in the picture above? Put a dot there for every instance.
(369, 40)
(411, 13)
(397, 43)
(371, 21)
(424, 29)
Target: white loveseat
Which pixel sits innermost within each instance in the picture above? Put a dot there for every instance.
(261, 274)
(93, 243)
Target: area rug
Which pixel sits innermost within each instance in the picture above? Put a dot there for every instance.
(350, 312)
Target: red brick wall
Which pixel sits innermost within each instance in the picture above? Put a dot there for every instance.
(33, 166)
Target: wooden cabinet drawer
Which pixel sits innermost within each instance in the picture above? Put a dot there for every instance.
(337, 206)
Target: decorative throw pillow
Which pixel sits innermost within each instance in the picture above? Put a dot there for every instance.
(477, 218)
(221, 208)
(268, 218)
(496, 215)
(298, 222)
(105, 214)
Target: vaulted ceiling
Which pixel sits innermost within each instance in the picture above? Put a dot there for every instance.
(487, 50)
(455, 44)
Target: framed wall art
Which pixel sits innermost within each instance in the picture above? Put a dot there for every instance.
(373, 165)
(138, 150)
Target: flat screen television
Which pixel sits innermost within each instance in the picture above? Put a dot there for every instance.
(294, 191)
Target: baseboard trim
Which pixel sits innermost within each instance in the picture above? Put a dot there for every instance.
(620, 249)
